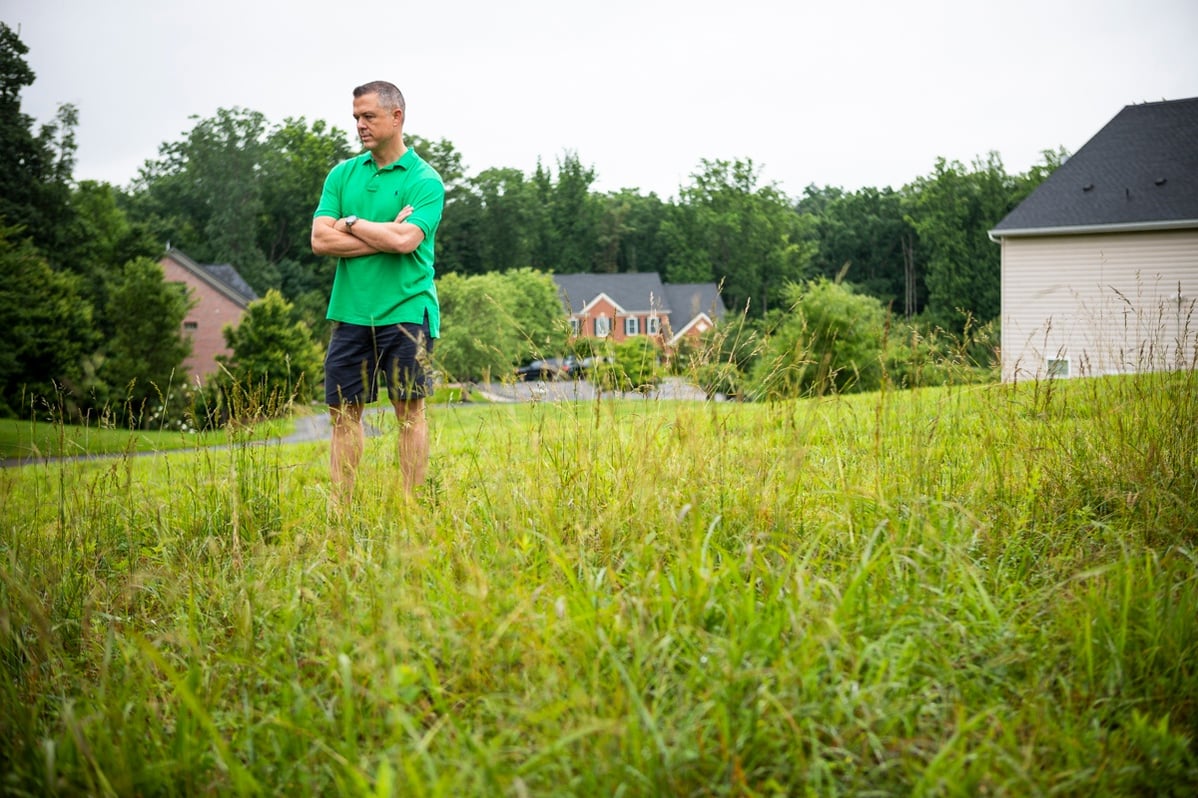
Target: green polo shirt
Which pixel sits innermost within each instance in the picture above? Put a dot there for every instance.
(386, 287)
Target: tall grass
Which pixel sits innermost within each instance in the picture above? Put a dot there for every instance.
(987, 589)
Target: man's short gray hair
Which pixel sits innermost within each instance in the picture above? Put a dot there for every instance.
(389, 94)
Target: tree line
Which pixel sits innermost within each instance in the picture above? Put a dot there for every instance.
(85, 314)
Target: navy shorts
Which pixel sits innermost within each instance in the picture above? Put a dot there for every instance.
(358, 356)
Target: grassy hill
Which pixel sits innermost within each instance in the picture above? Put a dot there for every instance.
(971, 590)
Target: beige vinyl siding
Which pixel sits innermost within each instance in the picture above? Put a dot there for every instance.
(1102, 304)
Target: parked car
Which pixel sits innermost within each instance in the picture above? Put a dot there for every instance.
(589, 364)
(551, 368)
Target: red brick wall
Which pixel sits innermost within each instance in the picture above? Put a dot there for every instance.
(212, 312)
(616, 322)
(603, 308)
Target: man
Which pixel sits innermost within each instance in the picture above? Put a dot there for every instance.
(378, 215)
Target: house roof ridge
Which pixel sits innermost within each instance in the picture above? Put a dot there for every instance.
(242, 295)
(640, 293)
(230, 276)
(1140, 168)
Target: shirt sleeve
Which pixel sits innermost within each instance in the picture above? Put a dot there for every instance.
(428, 202)
(330, 195)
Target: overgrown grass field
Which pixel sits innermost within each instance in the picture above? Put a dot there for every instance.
(30, 440)
(982, 590)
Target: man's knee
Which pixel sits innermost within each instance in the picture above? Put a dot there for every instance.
(409, 412)
(345, 414)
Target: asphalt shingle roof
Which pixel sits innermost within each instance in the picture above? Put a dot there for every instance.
(228, 275)
(632, 291)
(224, 277)
(1140, 169)
(691, 299)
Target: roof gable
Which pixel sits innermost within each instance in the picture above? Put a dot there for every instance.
(221, 276)
(232, 278)
(692, 299)
(600, 299)
(1140, 170)
(635, 292)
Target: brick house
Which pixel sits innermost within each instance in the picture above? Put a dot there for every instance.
(1100, 262)
(221, 297)
(620, 306)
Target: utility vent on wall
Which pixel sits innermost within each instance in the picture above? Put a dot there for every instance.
(1057, 367)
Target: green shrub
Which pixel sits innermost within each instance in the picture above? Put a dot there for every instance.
(831, 342)
(275, 360)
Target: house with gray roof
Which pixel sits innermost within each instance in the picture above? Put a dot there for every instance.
(220, 298)
(620, 306)
(1100, 262)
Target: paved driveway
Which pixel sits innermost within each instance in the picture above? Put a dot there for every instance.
(581, 390)
(316, 427)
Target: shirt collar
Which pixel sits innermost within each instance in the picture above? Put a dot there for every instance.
(403, 162)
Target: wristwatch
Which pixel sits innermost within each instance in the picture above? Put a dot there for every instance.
(349, 223)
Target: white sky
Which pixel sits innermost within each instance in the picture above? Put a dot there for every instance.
(846, 93)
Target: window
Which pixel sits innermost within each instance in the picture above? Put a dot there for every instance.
(602, 326)
(1058, 367)
(575, 327)
(632, 326)
(191, 325)
(653, 325)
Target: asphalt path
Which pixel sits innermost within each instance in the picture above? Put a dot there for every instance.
(582, 390)
(317, 428)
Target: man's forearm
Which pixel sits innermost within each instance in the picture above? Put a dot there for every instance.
(334, 239)
(400, 237)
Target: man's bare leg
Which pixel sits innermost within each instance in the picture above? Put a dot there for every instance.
(348, 442)
(413, 443)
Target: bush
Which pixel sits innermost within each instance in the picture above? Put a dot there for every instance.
(275, 360)
(832, 342)
(918, 357)
(636, 364)
(724, 355)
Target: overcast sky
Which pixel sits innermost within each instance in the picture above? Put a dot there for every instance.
(834, 92)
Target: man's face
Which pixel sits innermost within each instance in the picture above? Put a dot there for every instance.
(376, 125)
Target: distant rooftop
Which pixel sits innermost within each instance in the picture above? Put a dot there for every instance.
(232, 278)
(632, 291)
(1139, 171)
(222, 276)
(641, 292)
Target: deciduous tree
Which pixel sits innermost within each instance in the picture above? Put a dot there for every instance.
(45, 329)
(142, 359)
(952, 210)
(275, 359)
(97, 241)
(478, 340)
(831, 340)
(867, 235)
(748, 235)
(630, 237)
(237, 190)
(34, 170)
(494, 321)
